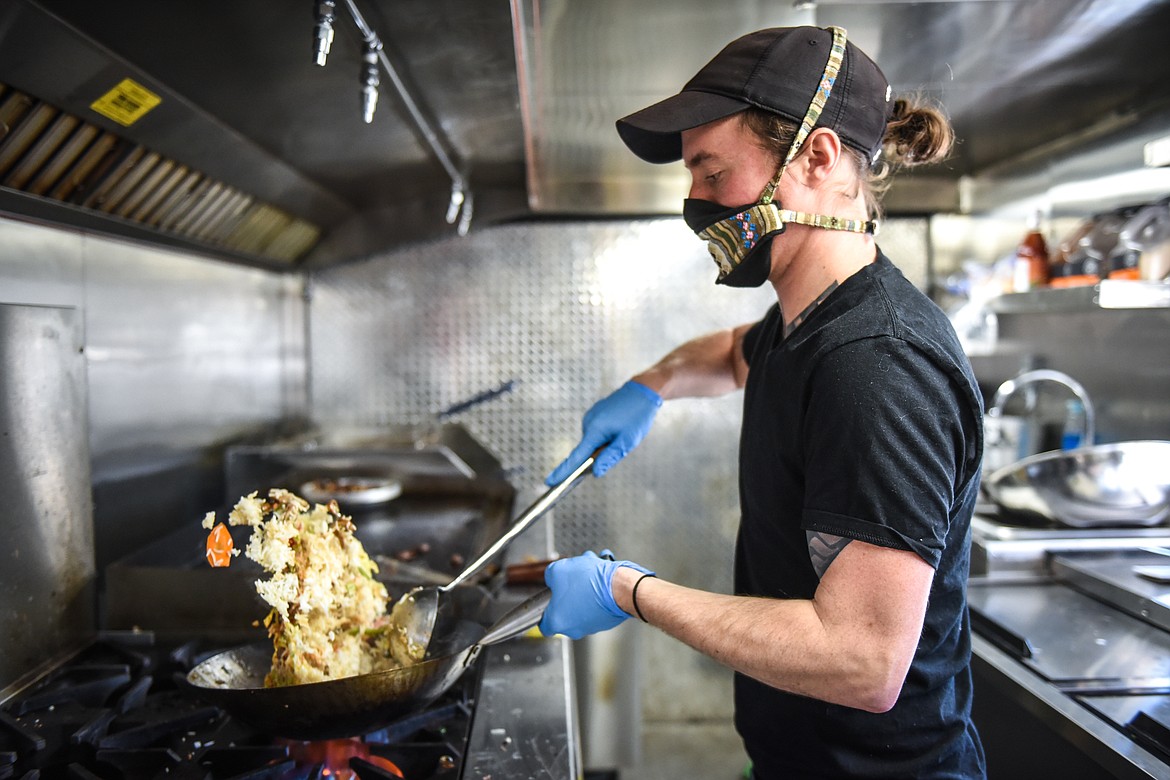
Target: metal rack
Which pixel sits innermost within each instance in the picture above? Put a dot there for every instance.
(1106, 294)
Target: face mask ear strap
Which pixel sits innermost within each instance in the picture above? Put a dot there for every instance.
(869, 226)
(820, 97)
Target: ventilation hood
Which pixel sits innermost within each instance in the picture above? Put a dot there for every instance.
(211, 126)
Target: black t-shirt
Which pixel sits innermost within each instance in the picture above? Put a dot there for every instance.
(866, 423)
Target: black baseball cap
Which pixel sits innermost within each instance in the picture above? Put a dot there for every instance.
(777, 70)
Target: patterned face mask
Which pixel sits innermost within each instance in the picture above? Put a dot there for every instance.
(740, 238)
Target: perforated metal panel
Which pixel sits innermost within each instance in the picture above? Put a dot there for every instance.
(570, 311)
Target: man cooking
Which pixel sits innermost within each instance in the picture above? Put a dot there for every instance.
(861, 437)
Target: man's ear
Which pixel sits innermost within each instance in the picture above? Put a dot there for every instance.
(819, 156)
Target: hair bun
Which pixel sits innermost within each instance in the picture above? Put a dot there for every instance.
(918, 133)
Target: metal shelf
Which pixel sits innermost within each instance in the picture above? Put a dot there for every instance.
(1107, 294)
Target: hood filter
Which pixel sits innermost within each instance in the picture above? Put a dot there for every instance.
(52, 154)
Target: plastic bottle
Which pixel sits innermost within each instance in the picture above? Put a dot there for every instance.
(1031, 264)
(1074, 425)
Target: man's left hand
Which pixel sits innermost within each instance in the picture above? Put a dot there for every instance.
(582, 595)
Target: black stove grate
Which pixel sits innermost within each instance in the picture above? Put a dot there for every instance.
(117, 712)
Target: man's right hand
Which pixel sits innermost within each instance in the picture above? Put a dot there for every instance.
(620, 420)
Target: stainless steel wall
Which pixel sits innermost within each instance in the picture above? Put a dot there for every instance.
(46, 560)
(182, 354)
(570, 310)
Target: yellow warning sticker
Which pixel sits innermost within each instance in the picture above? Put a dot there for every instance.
(126, 103)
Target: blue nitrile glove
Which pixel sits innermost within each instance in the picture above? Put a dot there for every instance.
(582, 595)
(621, 420)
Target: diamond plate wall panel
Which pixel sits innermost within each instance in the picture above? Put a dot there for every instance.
(570, 311)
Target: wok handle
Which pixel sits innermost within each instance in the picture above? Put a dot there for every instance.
(518, 619)
(527, 573)
(530, 516)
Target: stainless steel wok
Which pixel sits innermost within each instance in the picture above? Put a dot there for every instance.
(1123, 484)
(349, 706)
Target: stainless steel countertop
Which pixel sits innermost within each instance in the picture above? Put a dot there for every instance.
(1006, 551)
(1062, 655)
(1111, 577)
(1073, 640)
(1109, 747)
(526, 723)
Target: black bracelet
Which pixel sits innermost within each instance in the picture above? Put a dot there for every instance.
(634, 597)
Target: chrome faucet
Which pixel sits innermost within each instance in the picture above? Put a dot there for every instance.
(1009, 388)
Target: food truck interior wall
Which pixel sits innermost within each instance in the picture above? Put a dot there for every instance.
(185, 353)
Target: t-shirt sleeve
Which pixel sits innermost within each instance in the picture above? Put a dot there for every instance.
(884, 443)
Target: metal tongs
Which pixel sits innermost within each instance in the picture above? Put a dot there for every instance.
(419, 610)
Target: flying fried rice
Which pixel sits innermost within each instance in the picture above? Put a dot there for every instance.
(328, 616)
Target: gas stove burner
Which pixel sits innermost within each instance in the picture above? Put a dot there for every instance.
(117, 711)
(338, 757)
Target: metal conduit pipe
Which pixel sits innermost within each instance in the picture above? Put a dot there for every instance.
(460, 198)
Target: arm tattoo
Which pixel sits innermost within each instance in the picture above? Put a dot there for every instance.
(799, 318)
(823, 549)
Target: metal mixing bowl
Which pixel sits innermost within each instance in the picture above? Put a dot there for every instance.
(1123, 484)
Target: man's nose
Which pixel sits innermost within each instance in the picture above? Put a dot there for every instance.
(696, 189)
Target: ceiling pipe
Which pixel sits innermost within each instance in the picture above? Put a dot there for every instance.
(460, 202)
